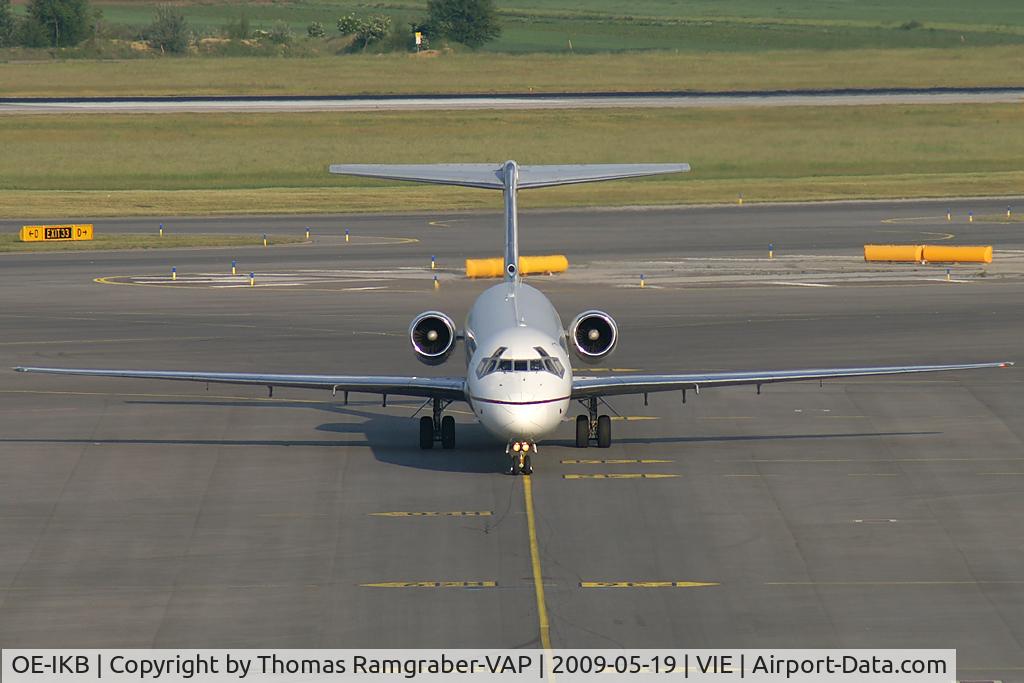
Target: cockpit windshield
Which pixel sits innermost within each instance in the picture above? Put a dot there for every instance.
(495, 363)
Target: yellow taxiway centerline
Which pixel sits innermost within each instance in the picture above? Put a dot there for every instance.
(538, 583)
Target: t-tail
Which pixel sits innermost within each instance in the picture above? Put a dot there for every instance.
(509, 177)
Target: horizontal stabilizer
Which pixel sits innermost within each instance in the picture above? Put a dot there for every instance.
(492, 176)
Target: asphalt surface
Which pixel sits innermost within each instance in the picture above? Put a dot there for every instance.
(798, 98)
(864, 513)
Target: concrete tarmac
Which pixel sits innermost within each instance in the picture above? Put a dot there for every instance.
(864, 513)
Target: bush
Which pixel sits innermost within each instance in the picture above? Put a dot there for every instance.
(365, 31)
(911, 25)
(314, 30)
(239, 30)
(399, 39)
(169, 32)
(470, 22)
(280, 34)
(64, 22)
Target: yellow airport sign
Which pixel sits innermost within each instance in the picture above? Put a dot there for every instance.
(56, 233)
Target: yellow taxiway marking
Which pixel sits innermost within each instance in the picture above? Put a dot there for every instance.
(445, 223)
(629, 475)
(646, 584)
(910, 219)
(538, 582)
(617, 461)
(454, 513)
(894, 583)
(873, 474)
(751, 475)
(431, 584)
(633, 418)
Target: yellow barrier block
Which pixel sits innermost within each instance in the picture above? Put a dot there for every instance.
(935, 253)
(893, 252)
(528, 265)
(56, 233)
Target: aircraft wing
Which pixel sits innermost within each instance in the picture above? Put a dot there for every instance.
(426, 387)
(612, 385)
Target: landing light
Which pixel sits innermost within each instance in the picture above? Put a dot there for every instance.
(516, 446)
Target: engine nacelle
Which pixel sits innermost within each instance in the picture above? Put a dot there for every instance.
(433, 335)
(593, 335)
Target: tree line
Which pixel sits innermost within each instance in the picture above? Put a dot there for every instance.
(67, 23)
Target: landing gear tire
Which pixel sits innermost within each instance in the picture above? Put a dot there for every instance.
(582, 431)
(527, 467)
(426, 432)
(513, 462)
(604, 431)
(447, 432)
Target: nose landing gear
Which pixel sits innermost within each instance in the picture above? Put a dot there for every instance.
(519, 461)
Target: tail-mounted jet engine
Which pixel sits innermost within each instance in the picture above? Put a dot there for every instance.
(433, 335)
(593, 335)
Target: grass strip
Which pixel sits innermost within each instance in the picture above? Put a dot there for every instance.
(481, 73)
(396, 199)
(276, 163)
(11, 243)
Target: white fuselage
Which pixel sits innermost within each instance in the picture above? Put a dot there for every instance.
(518, 375)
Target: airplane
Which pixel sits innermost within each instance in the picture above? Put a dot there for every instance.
(519, 380)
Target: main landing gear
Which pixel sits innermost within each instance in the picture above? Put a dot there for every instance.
(437, 428)
(593, 427)
(519, 461)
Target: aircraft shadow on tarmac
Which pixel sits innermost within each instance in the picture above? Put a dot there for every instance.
(392, 438)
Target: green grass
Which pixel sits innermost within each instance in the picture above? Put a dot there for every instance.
(233, 163)
(401, 74)
(693, 25)
(11, 243)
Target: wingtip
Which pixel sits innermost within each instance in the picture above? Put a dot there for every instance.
(18, 369)
(1007, 364)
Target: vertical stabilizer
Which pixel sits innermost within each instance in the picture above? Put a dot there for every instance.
(510, 172)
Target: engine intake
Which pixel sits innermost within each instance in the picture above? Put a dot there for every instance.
(433, 337)
(594, 335)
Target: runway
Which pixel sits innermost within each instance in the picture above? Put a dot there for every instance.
(685, 100)
(864, 513)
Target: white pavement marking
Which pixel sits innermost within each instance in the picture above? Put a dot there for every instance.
(641, 100)
(801, 284)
